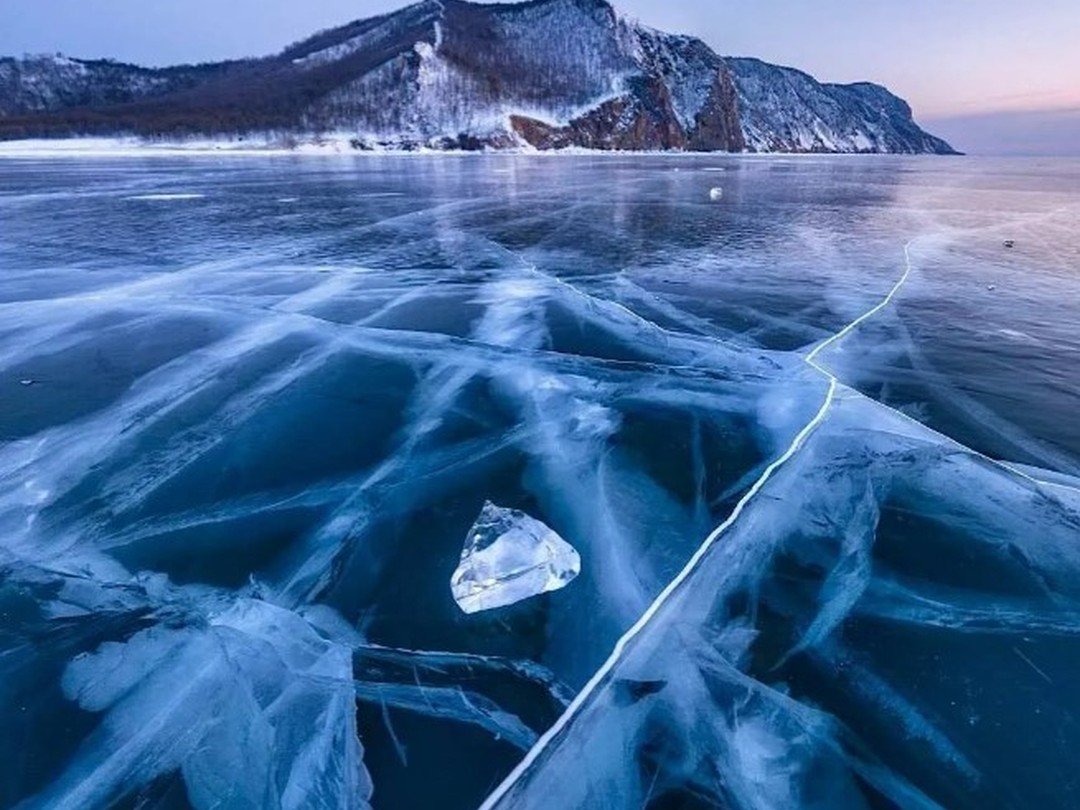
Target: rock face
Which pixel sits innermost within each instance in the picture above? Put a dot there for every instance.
(785, 110)
(545, 74)
(550, 74)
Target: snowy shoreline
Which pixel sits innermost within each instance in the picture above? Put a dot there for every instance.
(336, 145)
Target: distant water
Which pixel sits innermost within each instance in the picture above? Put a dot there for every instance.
(250, 407)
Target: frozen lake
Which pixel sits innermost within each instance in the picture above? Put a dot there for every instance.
(814, 436)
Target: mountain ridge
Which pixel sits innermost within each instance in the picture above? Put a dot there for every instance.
(450, 74)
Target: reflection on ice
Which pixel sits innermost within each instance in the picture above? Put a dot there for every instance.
(509, 557)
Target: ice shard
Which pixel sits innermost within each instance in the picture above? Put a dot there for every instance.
(509, 557)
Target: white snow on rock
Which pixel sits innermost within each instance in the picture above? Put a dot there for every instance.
(509, 557)
(785, 110)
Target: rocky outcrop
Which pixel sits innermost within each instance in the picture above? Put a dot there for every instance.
(640, 120)
(717, 126)
(785, 110)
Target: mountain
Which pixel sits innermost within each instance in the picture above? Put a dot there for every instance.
(783, 109)
(44, 84)
(450, 74)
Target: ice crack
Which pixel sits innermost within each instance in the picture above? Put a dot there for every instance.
(692, 565)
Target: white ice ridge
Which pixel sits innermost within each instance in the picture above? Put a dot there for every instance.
(691, 566)
(855, 324)
(165, 197)
(812, 359)
(510, 557)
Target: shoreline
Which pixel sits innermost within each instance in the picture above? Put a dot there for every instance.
(126, 147)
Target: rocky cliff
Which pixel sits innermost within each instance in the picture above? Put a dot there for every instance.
(785, 110)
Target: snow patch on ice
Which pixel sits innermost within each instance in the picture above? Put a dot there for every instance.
(166, 197)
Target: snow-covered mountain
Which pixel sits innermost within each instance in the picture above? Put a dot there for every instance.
(452, 74)
(548, 73)
(43, 84)
(783, 109)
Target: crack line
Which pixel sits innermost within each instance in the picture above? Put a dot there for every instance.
(691, 566)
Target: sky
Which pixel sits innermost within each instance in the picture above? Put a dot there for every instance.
(998, 74)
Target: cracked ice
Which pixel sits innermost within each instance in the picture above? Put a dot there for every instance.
(777, 507)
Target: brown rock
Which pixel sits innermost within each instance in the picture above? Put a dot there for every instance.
(718, 127)
(641, 120)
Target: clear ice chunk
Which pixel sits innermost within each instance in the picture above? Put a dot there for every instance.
(509, 557)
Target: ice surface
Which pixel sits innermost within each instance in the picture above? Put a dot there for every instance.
(258, 434)
(166, 197)
(249, 705)
(510, 557)
(736, 686)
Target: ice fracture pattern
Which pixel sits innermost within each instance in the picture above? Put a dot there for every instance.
(806, 448)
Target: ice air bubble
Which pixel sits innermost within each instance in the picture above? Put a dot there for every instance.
(509, 557)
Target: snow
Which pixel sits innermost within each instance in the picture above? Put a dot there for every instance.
(49, 82)
(784, 109)
(323, 144)
(377, 35)
(264, 144)
(510, 557)
(687, 66)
